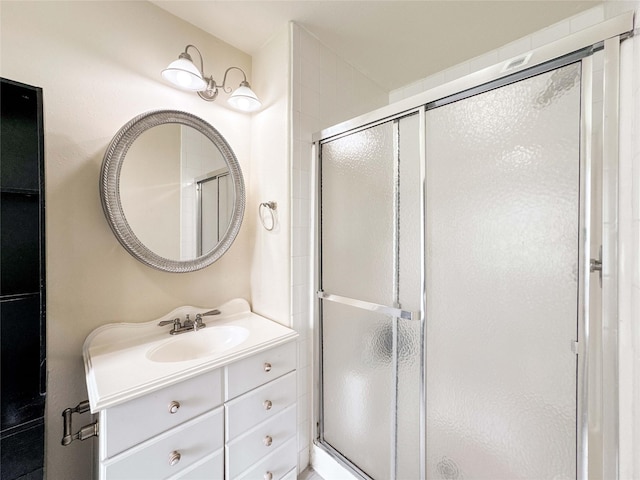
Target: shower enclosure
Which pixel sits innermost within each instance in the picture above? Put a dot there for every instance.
(454, 258)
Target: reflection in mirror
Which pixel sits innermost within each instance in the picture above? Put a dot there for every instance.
(176, 191)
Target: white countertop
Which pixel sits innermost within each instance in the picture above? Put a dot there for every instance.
(115, 355)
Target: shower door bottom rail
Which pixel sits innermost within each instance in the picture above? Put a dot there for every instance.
(373, 307)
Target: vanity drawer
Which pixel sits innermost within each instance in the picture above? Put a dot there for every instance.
(209, 468)
(133, 422)
(259, 369)
(255, 444)
(151, 460)
(258, 405)
(274, 466)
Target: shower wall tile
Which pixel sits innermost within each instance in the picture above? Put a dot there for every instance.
(325, 90)
(587, 19)
(413, 89)
(551, 34)
(483, 61)
(456, 72)
(516, 48)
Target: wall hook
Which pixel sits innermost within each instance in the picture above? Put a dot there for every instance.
(271, 207)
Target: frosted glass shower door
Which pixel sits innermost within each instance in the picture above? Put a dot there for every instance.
(371, 248)
(502, 235)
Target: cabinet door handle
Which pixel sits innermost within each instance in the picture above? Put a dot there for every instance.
(267, 367)
(174, 458)
(174, 406)
(267, 441)
(267, 404)
(268, 476)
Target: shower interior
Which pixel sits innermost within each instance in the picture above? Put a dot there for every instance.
(455, 297)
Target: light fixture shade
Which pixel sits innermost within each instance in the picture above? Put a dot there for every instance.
(184, 74)
(244, 99)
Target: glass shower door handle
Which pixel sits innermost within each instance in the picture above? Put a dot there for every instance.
(373, 307)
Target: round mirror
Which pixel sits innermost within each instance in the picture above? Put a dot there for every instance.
(176, 203)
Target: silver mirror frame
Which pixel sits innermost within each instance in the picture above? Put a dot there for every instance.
(110, 189)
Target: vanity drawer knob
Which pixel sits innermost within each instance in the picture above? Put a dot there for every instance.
(174, 458)
(267, 441)
(174, 406)
(267, 367)
(267, 404)
(268, 476)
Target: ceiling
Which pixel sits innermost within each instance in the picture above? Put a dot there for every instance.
(393, 42)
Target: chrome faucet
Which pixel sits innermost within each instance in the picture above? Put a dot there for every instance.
(198, 323)
(188, 325)
(177, 326)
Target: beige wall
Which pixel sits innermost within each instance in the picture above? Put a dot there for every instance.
(99, 65)
(270, 270)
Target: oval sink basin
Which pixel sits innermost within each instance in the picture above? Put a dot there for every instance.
(203, 343)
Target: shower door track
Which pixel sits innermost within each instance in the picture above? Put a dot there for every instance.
(573, 48)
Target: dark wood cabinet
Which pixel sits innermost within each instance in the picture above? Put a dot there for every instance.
(22, 282)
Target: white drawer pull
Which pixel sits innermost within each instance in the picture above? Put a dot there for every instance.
(268, 476)
(267, 367)
(267, 404)
(267, 441)
(174, 458)
(174, 406)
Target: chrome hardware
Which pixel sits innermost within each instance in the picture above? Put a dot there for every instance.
(267, 404)
(268, 476)
(267, 441)
(177, 326)
(271, 208)
(174, 458)
(595, 265)
(373, 307)
(267, 367)
(174, 407)
(576, 347)
(88, 431)
(198, 323)
(188, 325)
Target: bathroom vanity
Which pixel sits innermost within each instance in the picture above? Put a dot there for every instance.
(215, 403)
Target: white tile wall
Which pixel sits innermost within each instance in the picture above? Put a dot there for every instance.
(629, 261)
(323, 93)
(513, 49)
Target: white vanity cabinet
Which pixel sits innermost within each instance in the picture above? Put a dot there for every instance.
(214, 404)
(260, 415)
(235, 422)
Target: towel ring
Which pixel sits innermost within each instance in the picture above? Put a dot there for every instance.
(271, 206)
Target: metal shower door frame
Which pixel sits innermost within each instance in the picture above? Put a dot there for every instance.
(395, 312)
(576, 47)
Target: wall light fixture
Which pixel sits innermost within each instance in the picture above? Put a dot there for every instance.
(184, 74)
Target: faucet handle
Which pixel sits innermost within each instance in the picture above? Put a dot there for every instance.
(175, 322)
(198, 323)
(211, 312)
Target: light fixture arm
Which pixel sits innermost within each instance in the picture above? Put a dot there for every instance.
(244, 82)
(211, 92)
(186, 55)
